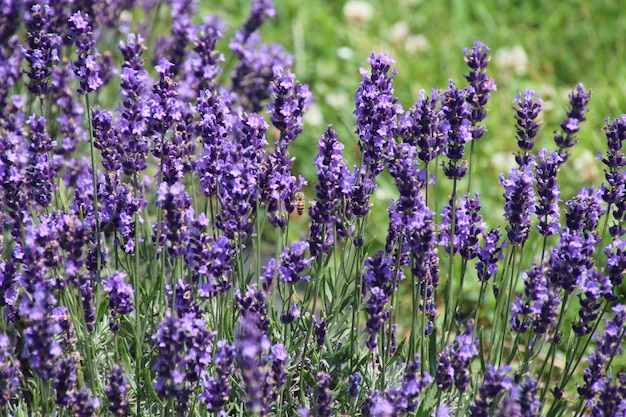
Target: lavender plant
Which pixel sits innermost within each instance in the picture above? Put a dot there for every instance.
(158, 277)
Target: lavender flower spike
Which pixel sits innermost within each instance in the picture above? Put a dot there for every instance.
(85, 67)
(376, 113)
(526, 113)
(579, 99)
(519, 203)
(480, 84)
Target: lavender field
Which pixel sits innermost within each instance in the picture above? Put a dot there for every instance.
(174, 245)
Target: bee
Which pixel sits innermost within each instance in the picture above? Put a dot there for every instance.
(300, 202)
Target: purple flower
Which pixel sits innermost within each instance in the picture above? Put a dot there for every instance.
(184, 344)
(616, 261)
(538, 306)
(376, 313)
(494, 383)
(324, 398)
(480, 84)
(355, 384)
(609, 345)
(468, 226)
(252, 77)
(250, 343)
(376, 113)
(614, 191)
(204, 59)
(594, 286)
(293, 263)
(585, 210)
(332, 177)
(117, 391)
(521, 400)
(253, 304)
(572, 257)
(9, 372)
(214, 125)
(457, 113)
(120, 297)
(376, 405)
(320, 332)
(579, 99)
(10, 58)
(84, 404)
(489, 255)
(547, 208)
(526, 113)
(85, 67)
(43, 49)
(610, 401)
(519, 203)
(455, 360)
(423, 127)
(132, 125)
(177, 213)
(40, 171)
(216, 389)
(239, 175)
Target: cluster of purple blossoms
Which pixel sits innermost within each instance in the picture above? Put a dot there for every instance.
(9, 371)
(611, 399)
(216, 389)
(184, 344)
(84, 405)
(538, 307)
(584, 211)
(40, 172)
(177, 213)
(332, 189)
(202, 65)
(378, 283)
(609, 346)
(594, 287)
(10, 58)
(494, 383)
(519, 203)
(44, 45)
(457, 113)
(251, 345)
(520, 400)
(454, 361)
(571, 258)
(239, 175)
(489, 255)
(132, 127)
(423, 127)
(253, 304)
(468, 226)
(209, 260)
(293, 263)
(400, 400)
(251, 78)
(324, 398)
(117, 391)
(120, 297)
(614, 191)
(578, 99)
(376, 112)
(70, 115)
(526, 113)
(616, 262)
(291, 100)
(548, 192)
(86, 69)
(214, 126)
(480, 84)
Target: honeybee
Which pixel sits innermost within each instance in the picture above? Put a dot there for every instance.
(300, 202)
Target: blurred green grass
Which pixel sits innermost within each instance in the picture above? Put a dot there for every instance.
(534, 45)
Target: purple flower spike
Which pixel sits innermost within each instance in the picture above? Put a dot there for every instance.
(293, 263)
(594, 286)
(614, 191)
(469, 225)
(86, 69)
(519, 204)
(480, 84)
(376, 113)
(585, 210)
(526, 113)
(216, 389)
(494, 383)
(457, 113)
(41, 171)
(117, 391)
(9, 372)
(120, 297)
(43, 49)
(489, 255)
(324, 397)
(423, 127)
(332, 174)
(548, 191)
(455, 361)
(609, 345)
(578, 99)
